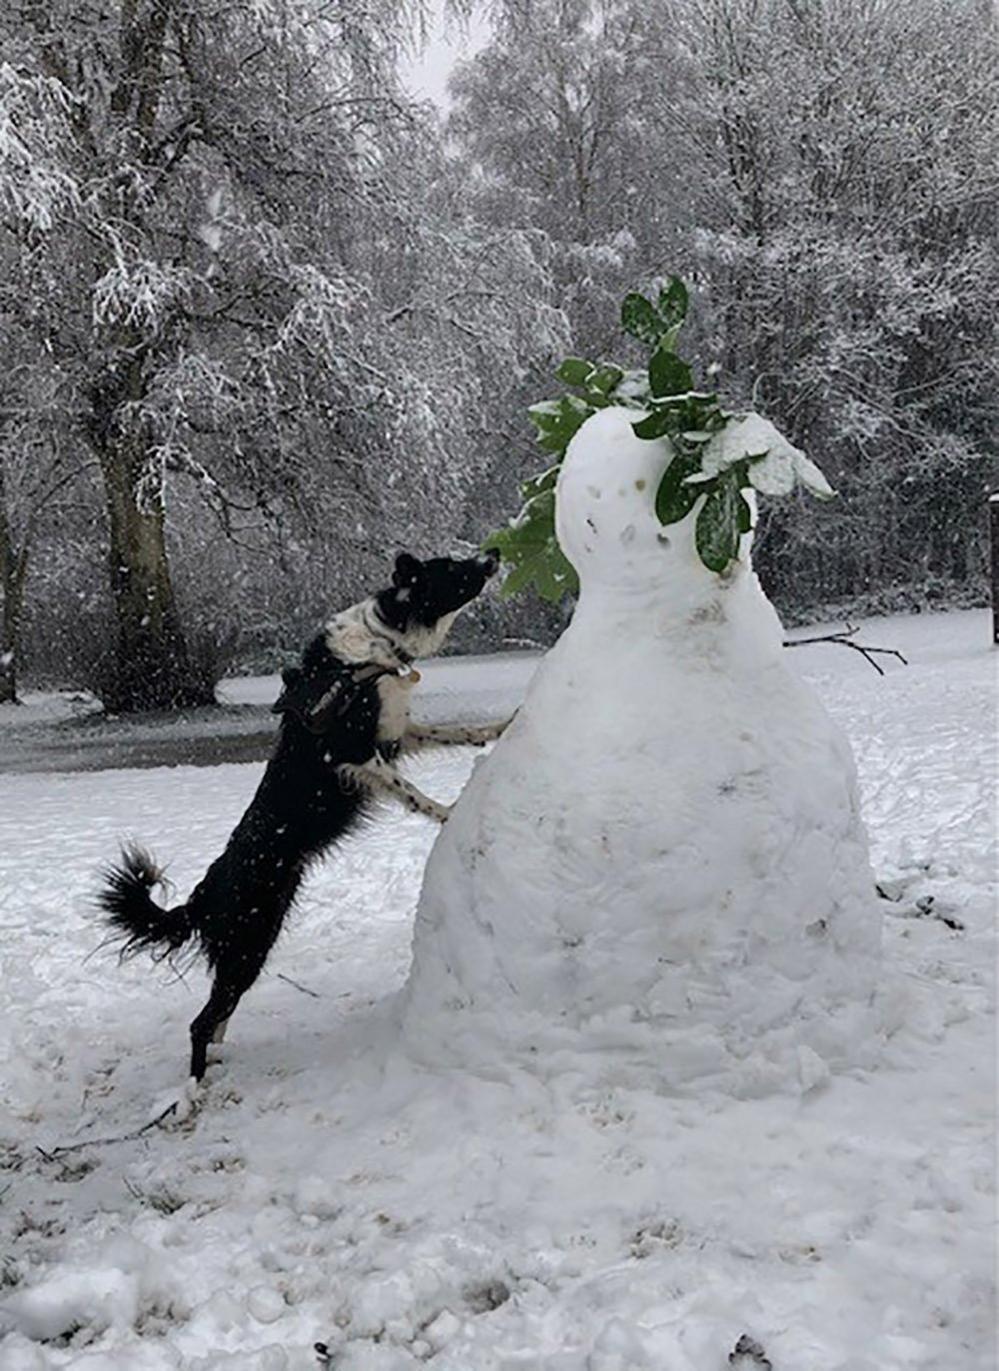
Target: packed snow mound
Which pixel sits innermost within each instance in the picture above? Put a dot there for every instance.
(662, 863)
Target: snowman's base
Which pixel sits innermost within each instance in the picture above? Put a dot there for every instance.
(622, 1049)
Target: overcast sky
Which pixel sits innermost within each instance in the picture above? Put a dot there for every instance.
(427, 73)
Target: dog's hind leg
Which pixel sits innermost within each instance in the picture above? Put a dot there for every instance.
(236, 970)
(211, 1023)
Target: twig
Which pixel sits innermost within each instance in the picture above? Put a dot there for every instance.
(923, 908)
(842, 637)
(58, 1152)
(303, 988)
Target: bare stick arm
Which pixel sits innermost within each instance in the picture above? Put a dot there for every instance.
(842, 638)
(381, 777)
(418, 736)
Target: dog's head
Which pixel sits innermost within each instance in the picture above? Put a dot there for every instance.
(342, 664)
(424, 597)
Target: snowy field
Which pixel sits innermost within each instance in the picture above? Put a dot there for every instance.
(324, 1188)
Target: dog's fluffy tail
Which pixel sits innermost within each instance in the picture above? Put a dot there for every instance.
(135, 919)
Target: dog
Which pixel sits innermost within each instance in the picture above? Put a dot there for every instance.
(344, 718)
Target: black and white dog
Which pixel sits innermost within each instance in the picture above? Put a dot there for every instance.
(344, 719)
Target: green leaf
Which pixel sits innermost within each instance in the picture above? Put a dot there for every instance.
(530, 549)
(717, 532)
(669, 337)
(545, 415)
(545, 480)
(673, 302)
(640, 319)
(557, 421)
(674, 498)
(654, 425)
(574, 371)
(549, 571)
(605, 378)
(744, 513)
(668, 375)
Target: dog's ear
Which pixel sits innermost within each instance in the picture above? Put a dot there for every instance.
(407, 570)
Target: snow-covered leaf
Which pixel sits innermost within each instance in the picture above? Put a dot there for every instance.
(812, 478)
(773, 473)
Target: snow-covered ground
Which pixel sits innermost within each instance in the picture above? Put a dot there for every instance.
(325, 1188)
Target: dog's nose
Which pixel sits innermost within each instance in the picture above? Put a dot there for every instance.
(490, 562)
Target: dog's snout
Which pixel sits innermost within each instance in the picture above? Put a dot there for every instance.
(490, 562)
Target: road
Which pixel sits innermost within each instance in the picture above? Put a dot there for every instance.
(242, 729)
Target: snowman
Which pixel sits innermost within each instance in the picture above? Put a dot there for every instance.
(660, 873)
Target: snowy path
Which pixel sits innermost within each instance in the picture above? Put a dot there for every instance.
(326, 1189)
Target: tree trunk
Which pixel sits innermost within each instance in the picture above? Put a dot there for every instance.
(994, 561)
(13, 570)
(150, 667)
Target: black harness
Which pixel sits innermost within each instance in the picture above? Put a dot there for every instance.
(325, 687)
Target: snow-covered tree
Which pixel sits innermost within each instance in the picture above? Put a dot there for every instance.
(36, 194)
(845, 236)
(823, 174)
(259, 289)
(552, 113)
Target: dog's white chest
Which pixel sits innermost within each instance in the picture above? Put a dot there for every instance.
(393, 716)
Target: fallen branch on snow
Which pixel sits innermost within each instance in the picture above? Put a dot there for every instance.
(298, 986)
(58, 1152)
(843, 637)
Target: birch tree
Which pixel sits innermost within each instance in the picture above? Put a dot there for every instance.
(822, 172)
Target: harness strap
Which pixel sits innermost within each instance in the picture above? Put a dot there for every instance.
(377, 630)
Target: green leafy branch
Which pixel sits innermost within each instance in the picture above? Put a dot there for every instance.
(716, 455)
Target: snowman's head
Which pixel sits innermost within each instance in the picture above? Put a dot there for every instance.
(605, 505)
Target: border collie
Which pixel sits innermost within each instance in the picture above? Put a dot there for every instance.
(344, 719)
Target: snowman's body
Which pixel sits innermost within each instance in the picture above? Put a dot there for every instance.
(662, 863)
